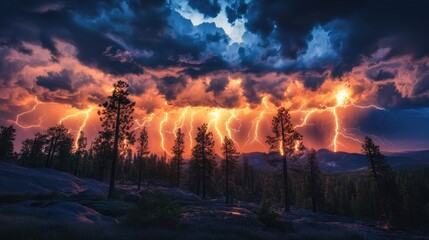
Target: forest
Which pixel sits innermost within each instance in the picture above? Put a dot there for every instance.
(398, 199)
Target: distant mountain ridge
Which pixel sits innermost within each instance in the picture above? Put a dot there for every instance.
(343, 161)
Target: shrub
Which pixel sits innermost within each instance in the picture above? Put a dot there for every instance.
(154, 211)
(268, 216)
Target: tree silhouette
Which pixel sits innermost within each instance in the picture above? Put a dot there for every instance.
(203, 158)
(178, 150)
(81, 149)
(143, 151)
(313, 176)
(32, 150)
(59, 141)
(378, 167)
(7, 136)
(230, 155)
(116, 117)
(102, 150)
(285, 143)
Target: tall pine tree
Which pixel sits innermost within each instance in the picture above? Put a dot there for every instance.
(143, 151)
(59, 143)
(203, 158)
(81, 149)
(178, 150)
(379, 169)
(229, 162)
(285, 143)
(116, 117)
(7, 137)
(313, 177)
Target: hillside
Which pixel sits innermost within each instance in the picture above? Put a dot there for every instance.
(47, 204)
(343, 161)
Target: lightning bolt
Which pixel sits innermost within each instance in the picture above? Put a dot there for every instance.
(82, 126)
(29, 111)
(342, 101)
(161, 133)
(146, 121)
(180, 121)
(230, 130)
(255, 125)
(214, 120)
(191, 127)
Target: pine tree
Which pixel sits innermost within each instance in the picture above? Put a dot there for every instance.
(65, 153)
(102, 150)
(7, 137)
(285, 143)
(248, 176)
(203, 158)
(81, 149)
(377, 163)
(379, 168)
(143, 151)
(230, 155)
(178, 150)
(116, 117)
(313, 176)
(32, 150)
(59, 142)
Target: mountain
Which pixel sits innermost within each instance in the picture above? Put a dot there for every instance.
(343, 161)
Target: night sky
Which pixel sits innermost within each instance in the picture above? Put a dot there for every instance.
(344, 69)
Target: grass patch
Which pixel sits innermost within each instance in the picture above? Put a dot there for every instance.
(154, 211)
(268, 216)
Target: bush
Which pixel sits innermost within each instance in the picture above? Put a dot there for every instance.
(268, 216)
(154, 211)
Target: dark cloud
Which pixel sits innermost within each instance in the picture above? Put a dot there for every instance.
(64, 80)
(250, 91)
(380, 74)
(312, 80)
(8, 69)
(208, 66)
(356, 27)
(389, 97)
(171, 86)
(235, 11)
(422, 86)
(253, 90)
(217, 85)
(56, 80)
(209, 8)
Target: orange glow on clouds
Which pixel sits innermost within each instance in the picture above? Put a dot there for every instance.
(246, 126)
(332, 109)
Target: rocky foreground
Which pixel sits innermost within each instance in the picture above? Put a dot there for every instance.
(48, 204)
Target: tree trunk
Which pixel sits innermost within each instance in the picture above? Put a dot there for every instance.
(204, 177)
(203, 144)
(115, 152)
(171, 172)
(313, 192)
(140, 172)
(285, 185)
(226, 180)
(178, 173)
(83, 164)
(285, 182)
(49, 151)
(377, 182)
(77, 164)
